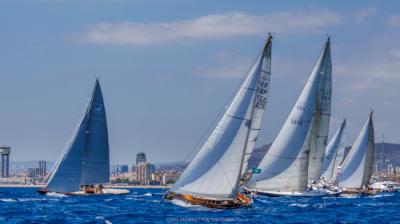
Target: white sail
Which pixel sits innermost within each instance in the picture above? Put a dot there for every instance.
(285, 165)
(85, 159)
(356, 169)
(321, 118)
(264, 72)
(334, 154)
(216, 169)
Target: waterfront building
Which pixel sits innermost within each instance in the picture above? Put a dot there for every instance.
(42, 168)
(143, 172)
(140, 158)
(5, 161)
(390, 169)
(34, 172)
(124, 169)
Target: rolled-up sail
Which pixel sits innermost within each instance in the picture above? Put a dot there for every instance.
(356, 169)
(86, 157)
(285, 166)
(216, 170)
(334, 154)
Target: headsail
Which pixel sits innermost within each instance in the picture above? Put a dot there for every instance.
(285, 165)
(321, 118)
(356, 169)
(85, 159)
(263, 70)
(334, 154)
(215, 171)
(96, 158)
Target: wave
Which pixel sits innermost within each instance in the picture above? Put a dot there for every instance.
(7, 200)
(299, 205)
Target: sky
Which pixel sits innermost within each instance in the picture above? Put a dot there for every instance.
(168, 68)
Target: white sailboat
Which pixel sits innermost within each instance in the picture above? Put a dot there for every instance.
(355, 173)
(285, 167)
(212, 179)
(85, 163)
(334, 154)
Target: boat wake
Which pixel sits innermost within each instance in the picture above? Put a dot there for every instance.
(382, 195)
(54, 194)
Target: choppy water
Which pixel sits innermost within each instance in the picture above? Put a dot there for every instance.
(24, 205)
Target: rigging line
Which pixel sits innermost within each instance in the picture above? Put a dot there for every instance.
(221, 112)
(69, 142)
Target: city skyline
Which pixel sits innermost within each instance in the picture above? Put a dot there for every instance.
(166, 76)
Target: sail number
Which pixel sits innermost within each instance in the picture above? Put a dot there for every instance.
(261, 98)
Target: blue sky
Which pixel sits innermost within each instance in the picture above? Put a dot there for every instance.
(168, 68)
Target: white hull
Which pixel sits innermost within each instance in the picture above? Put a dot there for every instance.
(311, 193)
(106, 191)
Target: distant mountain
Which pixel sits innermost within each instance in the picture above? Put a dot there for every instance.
(385, 154)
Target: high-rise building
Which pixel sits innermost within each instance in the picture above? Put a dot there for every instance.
(390, 169)
(5, 161)
(33, 172)
(143, 172)
(124, 169)
(140, 158)
(42, 168)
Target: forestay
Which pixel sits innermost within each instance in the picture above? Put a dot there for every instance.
(357, 167)
(216, 169)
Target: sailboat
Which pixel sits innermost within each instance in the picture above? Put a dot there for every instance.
(84, 165)
(212, 179)
(355, 173)
(295, 155)
(334, 154)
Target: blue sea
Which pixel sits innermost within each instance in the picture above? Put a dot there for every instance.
(24, 205)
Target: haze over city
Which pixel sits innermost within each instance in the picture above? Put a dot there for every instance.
(168, 75)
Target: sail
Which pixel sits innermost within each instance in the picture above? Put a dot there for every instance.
(96, 158)
(86, 157)
(334, 154)
(264, 73)
(356, 169)
(320, 125)
(285, 165)
(66, 176)
(216, 169)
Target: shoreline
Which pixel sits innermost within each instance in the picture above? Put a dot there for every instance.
(106, 186)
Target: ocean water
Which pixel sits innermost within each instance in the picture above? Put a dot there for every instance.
(24, 205)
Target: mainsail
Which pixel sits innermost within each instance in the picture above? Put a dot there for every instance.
(216, 170)
(334, 154)
(285, 165)
(356, 169)
(86, 157)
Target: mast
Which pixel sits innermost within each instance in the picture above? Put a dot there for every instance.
(260, 101)
(215, 171)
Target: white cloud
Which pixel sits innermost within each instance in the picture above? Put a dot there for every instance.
(225, 66)
(394, 20)
(363, 15)
(215, 26)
